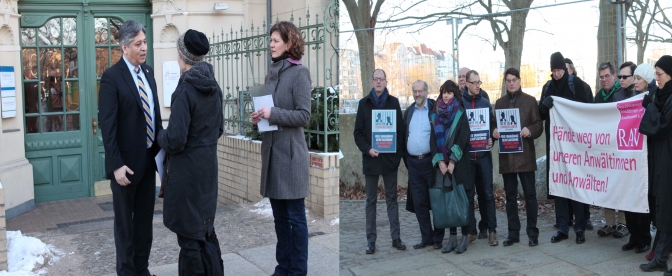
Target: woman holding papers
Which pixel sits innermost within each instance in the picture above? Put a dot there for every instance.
(453, 158)
(657, 126)
(190, 141)
(284, 154)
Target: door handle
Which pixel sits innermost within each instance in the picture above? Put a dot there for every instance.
(95, 126)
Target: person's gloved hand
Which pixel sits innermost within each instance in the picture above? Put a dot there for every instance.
(646, 101)
(548, 103)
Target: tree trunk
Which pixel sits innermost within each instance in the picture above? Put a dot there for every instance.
(513, 48)
(607, 40)
(366, 60)
(640, 52)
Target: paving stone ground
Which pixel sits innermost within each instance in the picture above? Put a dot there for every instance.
(88, 248)
(598, 256)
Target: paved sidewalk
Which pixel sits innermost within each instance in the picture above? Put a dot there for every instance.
(598, 256)
(81, 231)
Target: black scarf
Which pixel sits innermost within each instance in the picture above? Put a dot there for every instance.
(284, 56)
(380, 101)
(662, 94)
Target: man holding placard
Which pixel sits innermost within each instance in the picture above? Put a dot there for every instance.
(480, 156)
(517, 156)
(379, 135)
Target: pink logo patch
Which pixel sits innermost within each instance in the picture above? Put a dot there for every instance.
(628, 136)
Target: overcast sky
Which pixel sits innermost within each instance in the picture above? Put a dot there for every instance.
(570, 29)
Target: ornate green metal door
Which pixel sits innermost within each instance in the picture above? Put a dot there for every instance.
(65, 48)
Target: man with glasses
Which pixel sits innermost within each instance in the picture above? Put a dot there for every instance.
(418, 160)
(627, 77)
(614, 91)
(463, 83)
(559, 86)
(376, 164)
(481, 165)
(520, 164)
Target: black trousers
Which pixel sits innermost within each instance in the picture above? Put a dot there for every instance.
(531, 207)
(420, 178)
(562, 214)
(390, 184)
(190, 261)
(133, 213)
(638, 225)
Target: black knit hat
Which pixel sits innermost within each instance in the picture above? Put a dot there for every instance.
(557, 61)
(665, 63)
(568, 61)
(192, 46)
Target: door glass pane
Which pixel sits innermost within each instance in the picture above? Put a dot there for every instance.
(116, 54)
(101, 61)
(50, 33)
(28, 36)
(50, 63)
(70, 55)
(101, 35)
(29, 57)
(31, 98)
(115, 25)
(72, 96)
(52, 96)
(69, 31)
(52, 123)
(72, 121)
(31, 125)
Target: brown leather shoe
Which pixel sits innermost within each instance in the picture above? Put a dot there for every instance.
(492, 239)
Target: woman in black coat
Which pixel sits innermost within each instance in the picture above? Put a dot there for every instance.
(448, 108)
(190, 141)
(657, 126)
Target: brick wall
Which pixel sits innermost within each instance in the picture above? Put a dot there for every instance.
(240, 174)
(3, 231)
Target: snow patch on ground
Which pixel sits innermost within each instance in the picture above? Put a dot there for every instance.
(263, 207)
(334, 221)
(28, 256)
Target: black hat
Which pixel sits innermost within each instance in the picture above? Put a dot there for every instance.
(557, 61)
(665, 63)
(192, 46)
(568, 61)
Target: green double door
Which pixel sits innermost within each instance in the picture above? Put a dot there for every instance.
(65, 48)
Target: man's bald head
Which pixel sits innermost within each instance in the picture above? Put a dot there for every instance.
(462, 79)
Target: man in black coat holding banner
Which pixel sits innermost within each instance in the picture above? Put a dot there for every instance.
(559, 86)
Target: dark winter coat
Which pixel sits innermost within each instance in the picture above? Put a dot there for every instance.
(525, 161)
(284, 153)
(385, 162)
(657, 125)
(462, 132)
(473, 102)
(190, 141)
(559, 88)
(620, 94)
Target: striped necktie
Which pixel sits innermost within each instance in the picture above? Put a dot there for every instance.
(145, 108)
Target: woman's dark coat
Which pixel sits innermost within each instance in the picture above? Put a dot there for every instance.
(657, 125)
(190, 141)
(461, 133)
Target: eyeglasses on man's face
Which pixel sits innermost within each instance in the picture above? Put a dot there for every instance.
(660, 74)
(377, 79)
(475, 82)
(416, 92)
(512, 80)
(605, 76)
(624, 76)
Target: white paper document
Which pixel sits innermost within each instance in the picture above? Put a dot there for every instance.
(171, 76)
(261, 102)
(159, 162)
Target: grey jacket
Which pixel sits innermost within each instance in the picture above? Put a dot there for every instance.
(284, 153)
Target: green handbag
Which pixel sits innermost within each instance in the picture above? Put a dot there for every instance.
(450, 205)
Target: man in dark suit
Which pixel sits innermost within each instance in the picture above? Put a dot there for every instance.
(129, 117)
(420, 148)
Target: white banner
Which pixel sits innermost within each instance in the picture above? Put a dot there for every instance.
(597, 155)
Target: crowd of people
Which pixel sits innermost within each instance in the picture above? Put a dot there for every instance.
(133, 136)
(433, 139)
